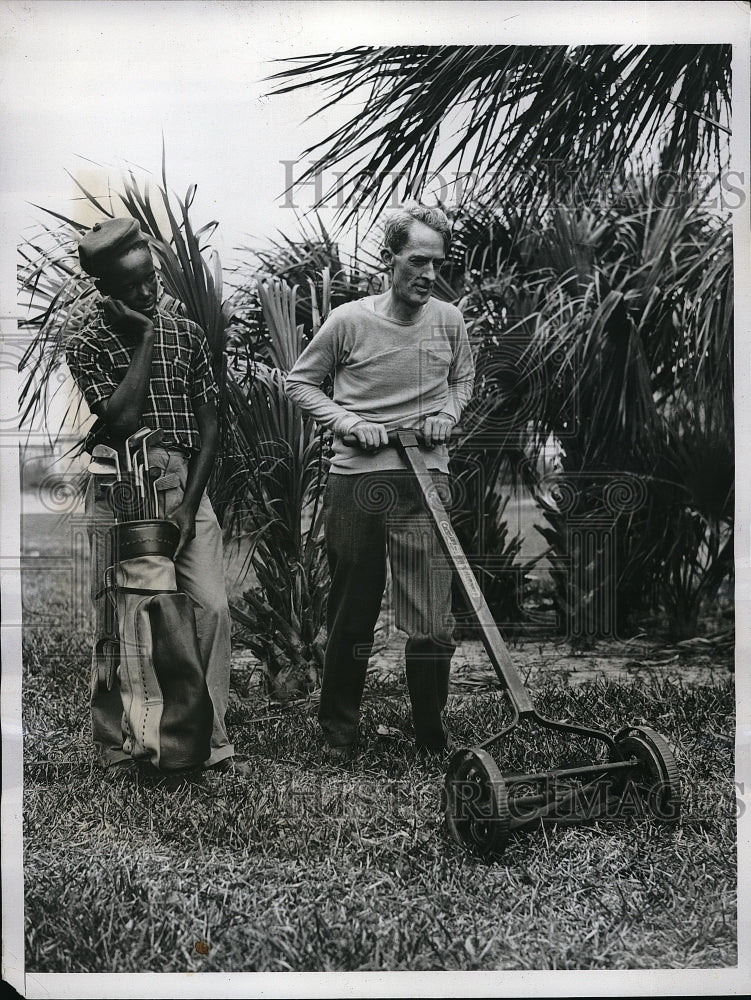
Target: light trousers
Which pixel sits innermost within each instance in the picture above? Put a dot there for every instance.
(199, 570)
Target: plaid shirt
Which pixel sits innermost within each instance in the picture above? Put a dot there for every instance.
(181, 376)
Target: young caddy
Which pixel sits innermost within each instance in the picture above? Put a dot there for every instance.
(138, 366)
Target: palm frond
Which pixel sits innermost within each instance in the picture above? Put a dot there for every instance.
(524, 118)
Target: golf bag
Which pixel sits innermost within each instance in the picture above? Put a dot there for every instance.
(167, 710)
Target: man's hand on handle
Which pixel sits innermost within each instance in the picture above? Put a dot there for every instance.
(370, 437)
(437, 429)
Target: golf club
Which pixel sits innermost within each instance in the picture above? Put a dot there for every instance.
(152, 475)
(152, 438)
(164, 483)
(140, 481)
(105, 452)
(98, 467)
(131, 444)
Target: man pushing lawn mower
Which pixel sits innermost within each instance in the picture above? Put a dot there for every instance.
(402, 375)
(146, 376)
(399, 359)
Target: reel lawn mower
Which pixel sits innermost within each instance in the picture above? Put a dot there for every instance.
(634, 773)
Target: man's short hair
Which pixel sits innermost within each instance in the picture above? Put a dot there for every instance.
(398, 223)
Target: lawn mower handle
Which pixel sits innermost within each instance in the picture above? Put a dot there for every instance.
(351, 439)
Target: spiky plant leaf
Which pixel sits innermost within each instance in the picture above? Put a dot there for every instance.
(523, 122)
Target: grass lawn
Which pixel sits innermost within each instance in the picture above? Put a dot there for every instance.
(307, 867)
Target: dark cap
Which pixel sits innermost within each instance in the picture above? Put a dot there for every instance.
(106, 242)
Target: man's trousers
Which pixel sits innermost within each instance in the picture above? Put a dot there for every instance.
(368, 518)
(199, 570)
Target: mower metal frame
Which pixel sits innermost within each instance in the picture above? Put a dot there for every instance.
(634, 752)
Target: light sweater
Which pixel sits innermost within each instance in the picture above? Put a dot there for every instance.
(386, 372)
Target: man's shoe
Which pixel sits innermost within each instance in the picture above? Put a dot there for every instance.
(444, 750)
(233, 767)
(340, 755)
(120, 770)
(177, 780)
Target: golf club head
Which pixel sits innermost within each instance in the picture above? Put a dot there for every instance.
(98, 467)
(133, 442)
(107, 453)
(153, 437)
(167, 482)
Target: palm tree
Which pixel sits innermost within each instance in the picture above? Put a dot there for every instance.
(309, 261)
(596, 288)
(608, 330)
(276, 511)
(527, 124)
